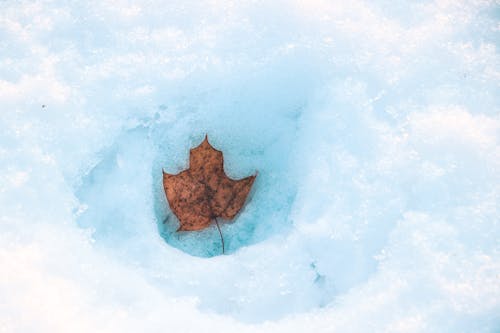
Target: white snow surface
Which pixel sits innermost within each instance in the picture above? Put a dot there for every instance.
(374, 127)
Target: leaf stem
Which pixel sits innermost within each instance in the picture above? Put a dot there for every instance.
(220, 233)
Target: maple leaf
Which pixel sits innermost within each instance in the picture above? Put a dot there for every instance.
(203, 192)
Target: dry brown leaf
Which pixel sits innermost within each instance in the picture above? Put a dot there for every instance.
(204, 192)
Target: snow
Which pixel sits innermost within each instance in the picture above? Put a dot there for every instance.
(373, 126)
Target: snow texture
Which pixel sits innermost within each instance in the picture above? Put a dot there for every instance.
(374, 126)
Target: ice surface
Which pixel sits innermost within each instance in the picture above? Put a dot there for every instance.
(374, 127)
